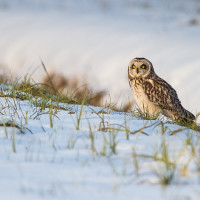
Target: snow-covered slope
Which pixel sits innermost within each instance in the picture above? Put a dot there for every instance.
(94, 162)
(96, 40)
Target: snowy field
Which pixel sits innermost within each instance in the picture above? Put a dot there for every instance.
(101, 156)
(95, 40)
(82, 152)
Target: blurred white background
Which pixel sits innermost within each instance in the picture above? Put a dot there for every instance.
(96, 39)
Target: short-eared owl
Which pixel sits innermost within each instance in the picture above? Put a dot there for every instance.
(154, 95)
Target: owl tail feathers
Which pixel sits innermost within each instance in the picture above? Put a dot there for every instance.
(190, 121)
(186, 117)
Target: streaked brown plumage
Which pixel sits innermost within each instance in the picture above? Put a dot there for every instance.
(153, 94)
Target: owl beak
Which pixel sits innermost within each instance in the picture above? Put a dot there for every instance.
(137, 71)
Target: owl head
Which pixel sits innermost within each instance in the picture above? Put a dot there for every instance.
(140, 68)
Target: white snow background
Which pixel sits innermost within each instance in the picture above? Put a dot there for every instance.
(96, 40)
(61, 162)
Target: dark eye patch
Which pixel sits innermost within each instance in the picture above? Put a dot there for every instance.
(143, 66)
(133, 66)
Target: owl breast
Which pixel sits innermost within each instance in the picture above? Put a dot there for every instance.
(142, 99)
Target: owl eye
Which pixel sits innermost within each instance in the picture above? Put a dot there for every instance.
(143, 67)
(133, 66)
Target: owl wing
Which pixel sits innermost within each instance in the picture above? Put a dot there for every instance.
(161, 93)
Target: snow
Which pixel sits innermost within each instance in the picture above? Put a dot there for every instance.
(96, 40)
(59, 162)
